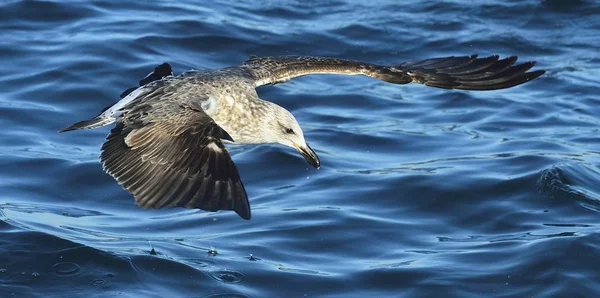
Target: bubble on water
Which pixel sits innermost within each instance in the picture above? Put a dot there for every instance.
(227, 276)
(98, 282)
(66, 268)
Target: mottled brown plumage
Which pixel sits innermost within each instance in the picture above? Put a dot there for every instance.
(466, 72)
(176, 159)
(167, 147)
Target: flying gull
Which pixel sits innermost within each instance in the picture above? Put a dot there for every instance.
(167, 148)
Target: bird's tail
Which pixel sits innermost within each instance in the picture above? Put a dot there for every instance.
(95, 122)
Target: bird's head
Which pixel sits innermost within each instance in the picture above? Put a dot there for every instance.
(282, 128)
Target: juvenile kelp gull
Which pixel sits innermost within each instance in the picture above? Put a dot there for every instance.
(167, 146)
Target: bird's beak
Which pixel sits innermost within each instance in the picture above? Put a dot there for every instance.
(310, 155)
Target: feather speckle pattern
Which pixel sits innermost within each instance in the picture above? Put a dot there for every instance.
(167, 148)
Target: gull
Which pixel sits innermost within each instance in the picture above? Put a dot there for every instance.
(168, 145)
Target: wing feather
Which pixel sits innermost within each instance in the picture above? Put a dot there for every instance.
(174, 158)
(465, 72)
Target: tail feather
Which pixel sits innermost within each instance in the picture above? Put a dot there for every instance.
(160, 72)
(89, 124)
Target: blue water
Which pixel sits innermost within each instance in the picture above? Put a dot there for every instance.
(422, 193)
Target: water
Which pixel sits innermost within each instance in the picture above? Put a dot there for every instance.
(422, 193)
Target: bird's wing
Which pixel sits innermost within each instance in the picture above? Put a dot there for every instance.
(171, 154)
(466, 72)
(162, 71)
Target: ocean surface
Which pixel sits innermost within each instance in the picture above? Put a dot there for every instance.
(422, 192)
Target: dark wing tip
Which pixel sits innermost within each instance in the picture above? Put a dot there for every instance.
(536, 74)
(224, 135)
(242, 208)
(471, 73)
(161, 71)
(163, 171)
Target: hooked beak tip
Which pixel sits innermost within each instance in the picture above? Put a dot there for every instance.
(310, 156)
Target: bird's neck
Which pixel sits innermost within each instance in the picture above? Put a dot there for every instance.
(247, 125)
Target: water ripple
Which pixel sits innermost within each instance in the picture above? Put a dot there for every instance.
(422, 192)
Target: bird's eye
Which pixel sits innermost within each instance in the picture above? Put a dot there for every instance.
(289, 131)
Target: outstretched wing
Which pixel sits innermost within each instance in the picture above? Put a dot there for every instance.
(172, 155)
(468, 73)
